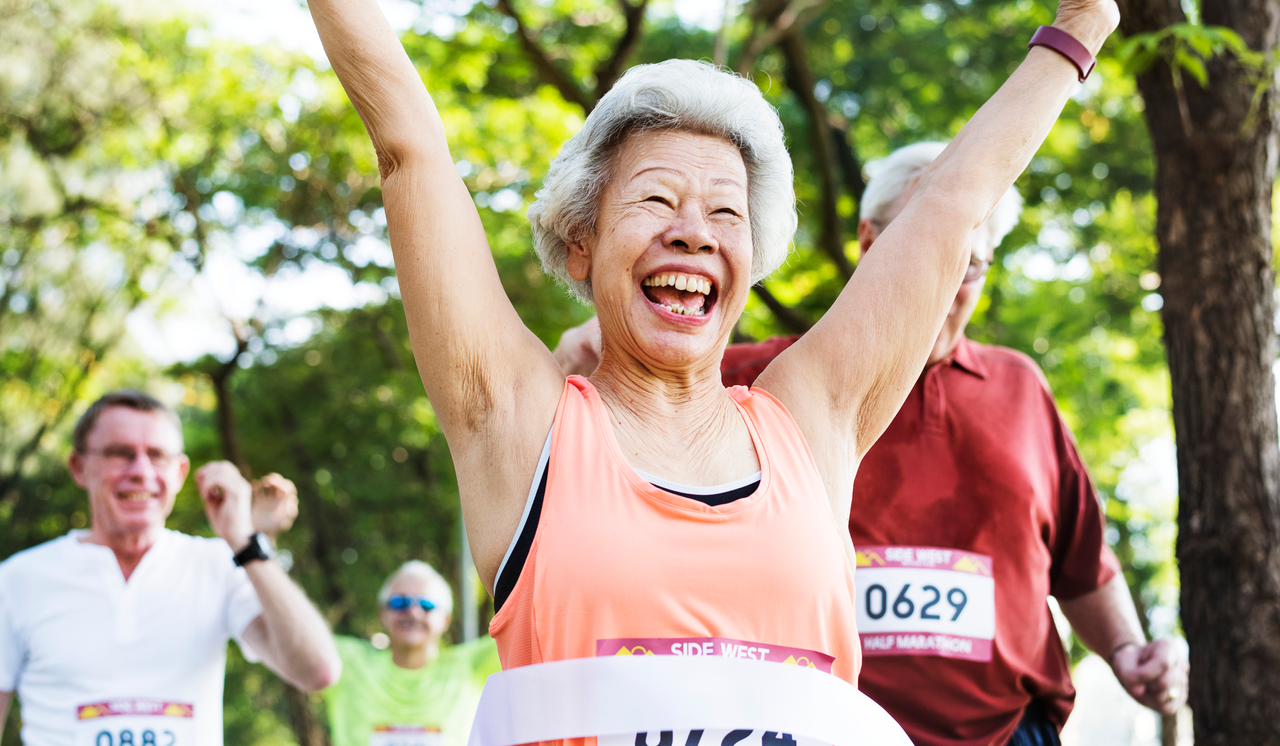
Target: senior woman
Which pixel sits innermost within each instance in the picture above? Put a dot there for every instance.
(649, 509)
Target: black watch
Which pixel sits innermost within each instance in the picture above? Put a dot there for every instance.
(259, 549)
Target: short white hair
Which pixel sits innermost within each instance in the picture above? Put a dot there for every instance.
(419, 569)
(673, 95)
(892, 176)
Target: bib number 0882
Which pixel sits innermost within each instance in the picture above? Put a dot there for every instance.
(877, 602)
(127, 737)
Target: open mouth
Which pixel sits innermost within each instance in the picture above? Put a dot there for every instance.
(135, 497)
(682, 294)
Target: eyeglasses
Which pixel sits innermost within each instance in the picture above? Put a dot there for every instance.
(976, 270)
(403, 603)
(122, 457)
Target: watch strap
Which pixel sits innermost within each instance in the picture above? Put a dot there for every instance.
(255, 550)
(1066, 45)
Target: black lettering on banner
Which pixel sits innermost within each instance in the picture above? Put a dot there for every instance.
(172, 738)
(957, 605)
(148, 738)
(693, 738)
(98, 741)
(664, 738)
(924, 610)
(126, 734)
(902, 599)
(884, 601)
(773, 739)
(734, 736)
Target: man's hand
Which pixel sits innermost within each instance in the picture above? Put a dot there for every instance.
(1155, 674)
(578, 352)
(227, 501)
(275, 505)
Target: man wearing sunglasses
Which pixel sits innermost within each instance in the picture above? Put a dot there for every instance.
(118, 634)
(410, 690)
(969, 511)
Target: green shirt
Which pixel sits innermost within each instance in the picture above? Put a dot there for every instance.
(374, 691)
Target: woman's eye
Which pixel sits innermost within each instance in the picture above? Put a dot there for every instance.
(727, 211)
(659, 200)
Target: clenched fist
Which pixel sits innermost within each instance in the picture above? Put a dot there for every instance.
(275, 505)
(227, 500)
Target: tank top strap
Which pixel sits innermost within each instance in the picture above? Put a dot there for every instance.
(779, 438)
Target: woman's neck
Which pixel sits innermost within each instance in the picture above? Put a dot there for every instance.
(681, 427)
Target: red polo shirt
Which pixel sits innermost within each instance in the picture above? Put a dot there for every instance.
(970, 510)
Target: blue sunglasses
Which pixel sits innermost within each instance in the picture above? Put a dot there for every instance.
(402, 603)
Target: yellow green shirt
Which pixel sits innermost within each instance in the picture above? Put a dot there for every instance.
(374, 693)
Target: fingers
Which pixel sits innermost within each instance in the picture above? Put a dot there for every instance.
(1154, 674)
(216, 478)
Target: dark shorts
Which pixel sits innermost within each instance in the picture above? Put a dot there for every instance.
(1036, 729)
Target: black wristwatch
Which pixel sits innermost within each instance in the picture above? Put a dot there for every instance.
(259, 549)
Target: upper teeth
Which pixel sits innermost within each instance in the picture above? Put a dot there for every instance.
(690, 283)
(137, 495)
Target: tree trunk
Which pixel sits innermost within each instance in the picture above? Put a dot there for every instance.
(1213, 183)
(306, 726)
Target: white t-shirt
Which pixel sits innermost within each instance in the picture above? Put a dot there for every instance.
(141, 662)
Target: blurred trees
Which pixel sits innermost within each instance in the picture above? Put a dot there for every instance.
(135, 154)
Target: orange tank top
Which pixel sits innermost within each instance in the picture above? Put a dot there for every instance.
(621, 567)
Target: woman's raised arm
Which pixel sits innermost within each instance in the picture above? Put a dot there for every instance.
(493, 385)
(845, 380)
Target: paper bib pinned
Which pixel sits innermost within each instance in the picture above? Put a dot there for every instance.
(625, 696)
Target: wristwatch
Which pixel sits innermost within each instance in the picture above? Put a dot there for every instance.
(259, 549)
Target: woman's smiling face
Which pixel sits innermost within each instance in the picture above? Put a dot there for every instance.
(670, 259)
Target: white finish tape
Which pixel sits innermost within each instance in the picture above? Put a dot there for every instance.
(621, 695)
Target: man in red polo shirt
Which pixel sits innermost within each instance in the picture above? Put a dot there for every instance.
(970, 510)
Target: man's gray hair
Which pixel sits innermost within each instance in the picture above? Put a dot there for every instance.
(673, 95)
(419, 569)
(892, 176)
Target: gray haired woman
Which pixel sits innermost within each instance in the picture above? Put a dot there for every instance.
(649, 510)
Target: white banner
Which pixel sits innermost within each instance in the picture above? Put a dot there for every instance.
(631, 695)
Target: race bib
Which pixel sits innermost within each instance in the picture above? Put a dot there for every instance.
(405, 735)
(716, 647)
(135, 722)
(925, 601)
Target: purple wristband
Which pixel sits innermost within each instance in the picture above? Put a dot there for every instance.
(1066, 45)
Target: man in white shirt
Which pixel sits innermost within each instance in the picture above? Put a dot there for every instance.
(117, 635)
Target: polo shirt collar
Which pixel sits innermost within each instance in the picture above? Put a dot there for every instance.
(964, 357)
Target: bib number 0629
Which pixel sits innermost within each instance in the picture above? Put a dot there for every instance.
(878, 604)
(127, 737)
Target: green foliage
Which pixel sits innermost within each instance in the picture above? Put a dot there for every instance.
(1188, 47)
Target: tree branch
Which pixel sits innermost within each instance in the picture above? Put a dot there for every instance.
(800, 79)
(220, 378)
(609, 72)
(542, 61)
(778, 20)
(787, 316)
(850, 165)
